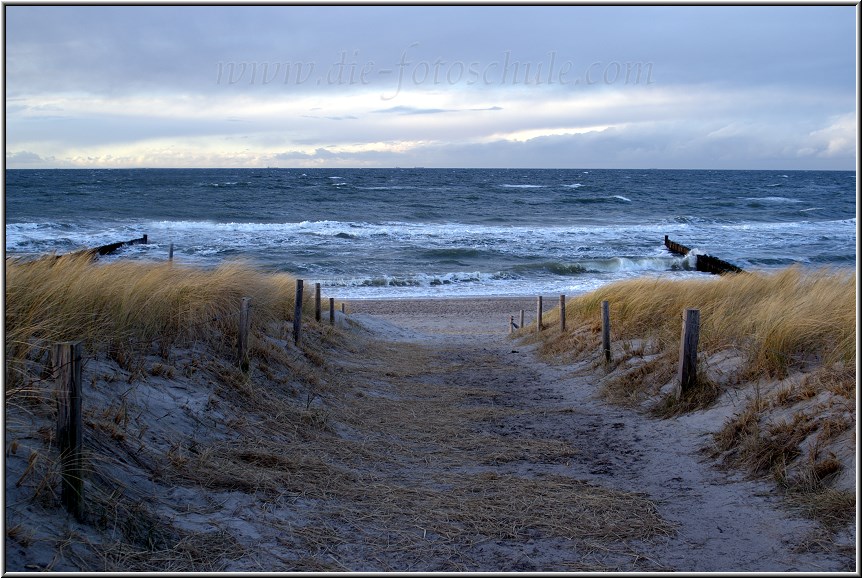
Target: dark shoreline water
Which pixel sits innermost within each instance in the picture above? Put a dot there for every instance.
(442, 232)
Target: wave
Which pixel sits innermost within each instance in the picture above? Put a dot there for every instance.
(610, 265)
(418, 280)
(772, 199)
(574, 186)
(596, 200)
(524, 186)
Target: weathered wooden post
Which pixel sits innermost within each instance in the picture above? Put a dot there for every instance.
(297, 313)
(171, 252)
(511, 324)
(562, 313)
(342, 308)
(317, 302)
(606, 330)
(688, 350)
(332, 310)
(522, 319)
(244, 325)
(67, 368)
(539, 315)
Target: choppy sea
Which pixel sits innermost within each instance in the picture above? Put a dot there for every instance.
(399, 232)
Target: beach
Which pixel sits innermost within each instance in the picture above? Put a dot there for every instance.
(428, 439)
(466, 315)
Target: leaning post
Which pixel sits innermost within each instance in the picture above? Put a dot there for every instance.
(539, 315)
(688, 351)
(562, 313)
(244, 325)
(67, 367)
(297, 313)
(606, 330)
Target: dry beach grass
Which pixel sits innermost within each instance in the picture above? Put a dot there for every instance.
(410, 436)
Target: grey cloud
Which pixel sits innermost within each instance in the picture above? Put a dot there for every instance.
(26, 158)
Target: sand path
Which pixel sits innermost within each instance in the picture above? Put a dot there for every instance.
(536, 422)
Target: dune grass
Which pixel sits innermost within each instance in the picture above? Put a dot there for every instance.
(122, 306)
(779, 321)
(795, 329)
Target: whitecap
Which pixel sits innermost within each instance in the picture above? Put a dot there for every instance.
(772, 199)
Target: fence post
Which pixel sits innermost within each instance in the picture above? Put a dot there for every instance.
(606, 330)
(522, 319)
(562, 313)
(332, 310)
(171, 252)
(512, 324)
(297, 313)
(688, 350)
(317, 302)
(244, 325)
(539, 315)
(67, 365)
(342, 308)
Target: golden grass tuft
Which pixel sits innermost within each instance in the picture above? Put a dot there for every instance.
(124, 307)
(789, 320)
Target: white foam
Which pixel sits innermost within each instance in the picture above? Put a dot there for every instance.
(772, 199)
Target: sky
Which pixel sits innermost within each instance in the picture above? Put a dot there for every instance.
(712, 87)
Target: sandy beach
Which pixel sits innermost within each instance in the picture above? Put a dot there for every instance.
(432, 442)
(478, 315)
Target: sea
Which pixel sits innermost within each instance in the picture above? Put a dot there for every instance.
(427, 232)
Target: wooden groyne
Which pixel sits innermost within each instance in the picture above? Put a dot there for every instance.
(705, 263)
(97, 252)
(110, 248)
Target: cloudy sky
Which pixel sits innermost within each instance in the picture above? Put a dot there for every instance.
(769, 87)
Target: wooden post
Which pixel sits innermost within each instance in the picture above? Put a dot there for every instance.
(171, 252)
(297, 313)
(562, 313)
(332, 310)
(522, 319)
(244, 325)
(606, 330)
(342, 308)
(317, 302)
(67, 368)
(539, 315)
(512, 324)
(688, 350)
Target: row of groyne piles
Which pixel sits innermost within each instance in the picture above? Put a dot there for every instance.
(704, 263)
